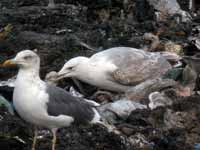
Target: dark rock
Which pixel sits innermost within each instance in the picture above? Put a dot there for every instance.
(139, 118)
(6, 92)
(173, 139)
(146, 14)
(73, 138)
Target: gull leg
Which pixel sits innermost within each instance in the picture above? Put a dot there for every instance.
(54, 138)
(34, 138)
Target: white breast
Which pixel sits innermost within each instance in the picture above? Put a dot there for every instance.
(30, 100)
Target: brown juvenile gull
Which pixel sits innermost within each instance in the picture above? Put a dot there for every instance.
(116, 69)
(43, 104)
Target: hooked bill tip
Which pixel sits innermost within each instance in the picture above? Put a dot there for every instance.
(8, 63)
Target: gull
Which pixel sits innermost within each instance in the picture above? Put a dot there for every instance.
(43, 104)
(116, 69)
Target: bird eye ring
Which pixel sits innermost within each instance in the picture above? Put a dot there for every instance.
(70, 68)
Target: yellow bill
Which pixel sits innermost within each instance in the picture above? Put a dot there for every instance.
(8, 63)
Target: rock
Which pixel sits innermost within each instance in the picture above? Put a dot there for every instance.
(10, 82)
(7, 92)
(172, 57)
(107, 115)
(124, 107)
(167, 8)
(174, 73)
(119, 109)
(140, 141)
(143, 15)
(189, 77)
(173, 47)
(184, 91)
(157, 45)
(5, 31)
(195, 41)
(193, 62)
(158, 99)
(178, 119)
(74, 92)
(139, 118)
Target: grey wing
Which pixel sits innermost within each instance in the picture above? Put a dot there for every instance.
(120, 56)
(141, 70)
(62, 103)
(134, 65)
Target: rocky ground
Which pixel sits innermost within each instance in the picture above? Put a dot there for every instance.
(15, 134)
(78, 27)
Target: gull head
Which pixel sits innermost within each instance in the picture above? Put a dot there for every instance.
(25, 59)
(72, 67)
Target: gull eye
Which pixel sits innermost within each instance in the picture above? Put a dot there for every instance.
(27, 57)
(70, 68)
